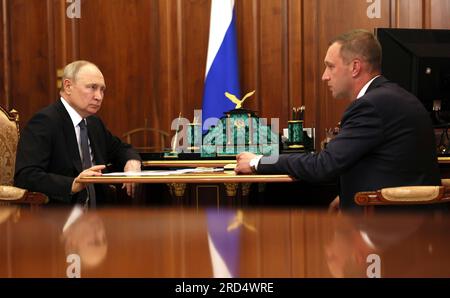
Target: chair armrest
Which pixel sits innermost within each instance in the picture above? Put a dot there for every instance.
(11, 193)
(404, 195)
(445, 182)
(16, 195)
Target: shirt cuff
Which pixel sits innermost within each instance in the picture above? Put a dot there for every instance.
(255, 161)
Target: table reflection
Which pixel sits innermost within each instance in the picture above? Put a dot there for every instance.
(123, 242)
(393, 245)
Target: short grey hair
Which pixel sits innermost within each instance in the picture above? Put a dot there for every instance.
(71, 70)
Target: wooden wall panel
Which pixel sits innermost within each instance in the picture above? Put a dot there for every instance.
(169, 67)
(330, 110)
(269, 40)
(153, 53)
(65, 32)
(106, 39)
(294, 57)
(4, 82)
(165, 77)
(311, 70)
(248, 35)
(272, 44)
(407, 13)
(440, 13)
(30, 54)
(194, 42)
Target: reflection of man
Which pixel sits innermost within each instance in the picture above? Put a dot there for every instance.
(84, 235)
(356, 238)
(346, 254)
(62, 142)
(386, 137)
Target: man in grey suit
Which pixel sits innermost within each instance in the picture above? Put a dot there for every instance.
(66, 141)
(386, 137)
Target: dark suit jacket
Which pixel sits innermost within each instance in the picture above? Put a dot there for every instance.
(48, 158)
(386, 140)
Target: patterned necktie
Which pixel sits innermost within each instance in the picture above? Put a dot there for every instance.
(86, 161)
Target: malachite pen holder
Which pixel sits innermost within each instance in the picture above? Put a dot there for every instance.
(295, 133)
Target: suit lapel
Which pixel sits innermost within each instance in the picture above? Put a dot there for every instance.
(70, 137)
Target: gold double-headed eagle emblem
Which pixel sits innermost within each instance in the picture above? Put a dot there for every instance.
(238, 101)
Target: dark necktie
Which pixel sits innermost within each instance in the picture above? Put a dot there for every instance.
(86, 161)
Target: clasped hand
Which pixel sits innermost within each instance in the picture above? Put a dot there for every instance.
(243, 163)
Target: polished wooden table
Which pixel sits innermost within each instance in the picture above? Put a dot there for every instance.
(215, 177)
(182, 242)
(196, 189)
(324, 193)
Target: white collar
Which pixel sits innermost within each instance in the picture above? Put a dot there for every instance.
(366, 86)
(74, 116)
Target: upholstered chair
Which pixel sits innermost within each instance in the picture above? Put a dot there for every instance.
(9, 137)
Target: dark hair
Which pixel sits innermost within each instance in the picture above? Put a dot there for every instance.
(362, 44)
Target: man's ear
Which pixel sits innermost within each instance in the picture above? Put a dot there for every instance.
(67, 86)
(356, 67)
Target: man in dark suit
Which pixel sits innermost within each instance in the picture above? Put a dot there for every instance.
(386, 137)
(50, 156)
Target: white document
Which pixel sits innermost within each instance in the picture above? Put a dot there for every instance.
(142, 173)
(199, 170)
(164, 172)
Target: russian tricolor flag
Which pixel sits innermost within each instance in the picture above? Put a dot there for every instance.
(222, 73)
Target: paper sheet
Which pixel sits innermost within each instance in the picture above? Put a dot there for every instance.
(165, 172)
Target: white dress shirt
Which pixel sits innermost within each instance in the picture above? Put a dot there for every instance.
(76, 119)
